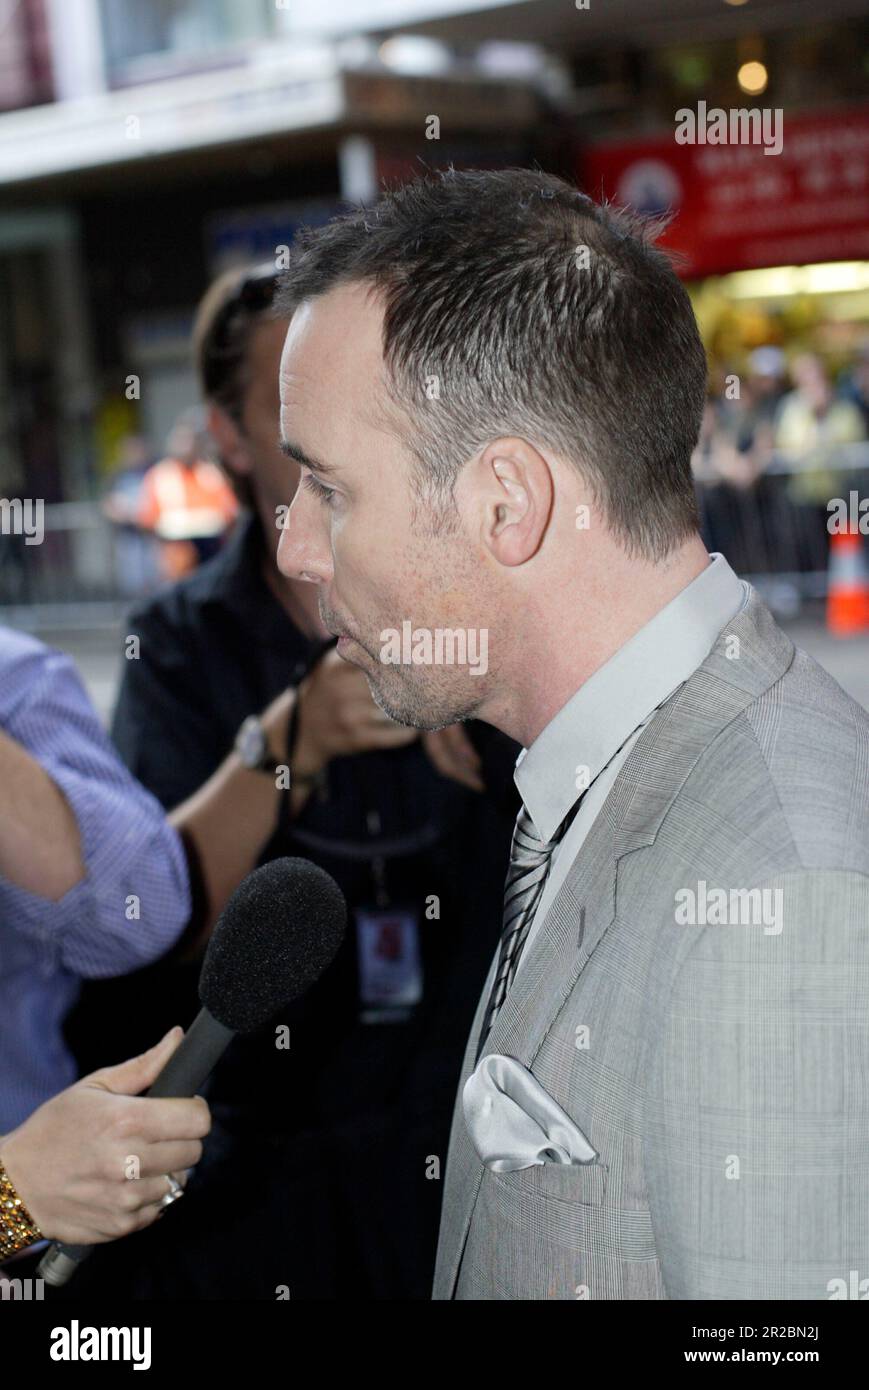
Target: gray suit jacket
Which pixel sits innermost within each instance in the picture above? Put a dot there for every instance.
(721, 1072)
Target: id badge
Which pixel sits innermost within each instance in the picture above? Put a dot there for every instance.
(390, 962)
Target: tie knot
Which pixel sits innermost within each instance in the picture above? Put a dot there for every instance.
(526, 876)
(526, 836)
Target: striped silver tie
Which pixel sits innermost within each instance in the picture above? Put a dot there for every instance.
(526, 876)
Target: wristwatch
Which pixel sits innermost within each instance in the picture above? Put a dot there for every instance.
(252, 747)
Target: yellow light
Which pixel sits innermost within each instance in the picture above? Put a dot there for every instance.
(781, 282)
(736, 2)
(752, 78)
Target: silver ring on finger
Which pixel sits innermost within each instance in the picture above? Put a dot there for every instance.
(175, 1191)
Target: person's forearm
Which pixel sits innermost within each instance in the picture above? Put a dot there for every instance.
(231, 818)
(40, 845)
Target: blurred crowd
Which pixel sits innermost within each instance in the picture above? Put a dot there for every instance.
(777, 443)
(171, 512)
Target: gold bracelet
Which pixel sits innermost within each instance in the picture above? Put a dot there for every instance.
(17, 1227)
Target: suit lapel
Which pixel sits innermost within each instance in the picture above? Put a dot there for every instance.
(578, 916)
(585, 906)
(657, 767)
(464, 1170)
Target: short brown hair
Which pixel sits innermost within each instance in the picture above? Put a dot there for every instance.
(227, 314)
(597, 357)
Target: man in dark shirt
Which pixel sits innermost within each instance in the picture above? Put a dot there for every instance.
(297, 1190)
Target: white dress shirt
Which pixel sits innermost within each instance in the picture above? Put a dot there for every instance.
(599, 725)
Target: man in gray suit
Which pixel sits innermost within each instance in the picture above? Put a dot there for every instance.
(493, 387)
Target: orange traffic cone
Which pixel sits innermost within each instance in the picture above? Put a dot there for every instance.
(847, 585)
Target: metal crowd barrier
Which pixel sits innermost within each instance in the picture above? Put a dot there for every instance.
(775, 532)
(83, 568)
(85, 565)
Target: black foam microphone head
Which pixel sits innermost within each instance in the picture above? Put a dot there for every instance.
(277, 934)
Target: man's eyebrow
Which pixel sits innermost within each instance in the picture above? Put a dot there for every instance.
(294, 451)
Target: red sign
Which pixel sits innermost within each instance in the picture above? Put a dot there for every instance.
(738, 207)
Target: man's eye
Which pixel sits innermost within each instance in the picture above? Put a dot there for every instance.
(324, 494)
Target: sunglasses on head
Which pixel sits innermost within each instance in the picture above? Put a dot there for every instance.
(255, 292)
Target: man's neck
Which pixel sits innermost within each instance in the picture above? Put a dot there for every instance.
(557, 655)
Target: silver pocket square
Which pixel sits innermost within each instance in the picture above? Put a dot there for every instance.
(514, 1123)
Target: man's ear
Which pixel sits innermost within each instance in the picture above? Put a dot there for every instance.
(516, 493)
(232, 447)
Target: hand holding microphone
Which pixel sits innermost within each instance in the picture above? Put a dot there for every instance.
(278, 933)
(70, 1160)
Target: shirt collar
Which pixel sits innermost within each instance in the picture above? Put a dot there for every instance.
(593, 725)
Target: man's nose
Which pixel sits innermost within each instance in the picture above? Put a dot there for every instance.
(303, 549)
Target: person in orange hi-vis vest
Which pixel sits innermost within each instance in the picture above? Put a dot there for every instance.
(186, 502)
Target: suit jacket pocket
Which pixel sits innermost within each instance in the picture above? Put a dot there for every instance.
(536, 1232)
(568, 1182)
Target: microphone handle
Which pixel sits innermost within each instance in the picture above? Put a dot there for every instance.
(190, 1065)
(194, 1059)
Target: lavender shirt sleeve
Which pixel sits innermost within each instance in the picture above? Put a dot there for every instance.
(134, 899)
